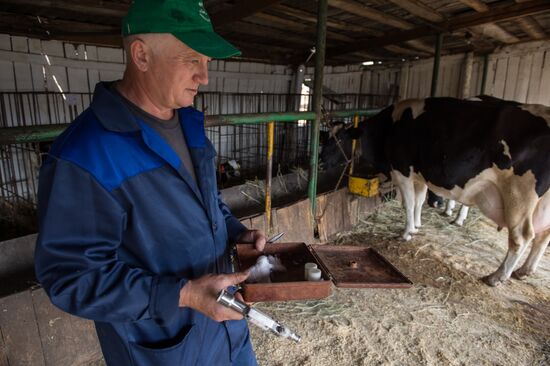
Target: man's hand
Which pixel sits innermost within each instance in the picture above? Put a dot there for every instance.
(201, 294)
(256, 237)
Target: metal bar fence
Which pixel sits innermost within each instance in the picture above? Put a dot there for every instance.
(246, 144)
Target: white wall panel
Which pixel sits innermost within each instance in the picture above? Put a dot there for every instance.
(53, 48)
(91, 53)
(5, 42)
(518, 72)
(511, 78)
(78, 80)
(523, 79)
(19, 44)
(110, 75)
(534, 79)
(544, 90)
(7, 76)
(60, 74)
(108, 54)
(37, 74)
(23, 77)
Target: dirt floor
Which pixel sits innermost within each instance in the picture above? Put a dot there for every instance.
(449, 317)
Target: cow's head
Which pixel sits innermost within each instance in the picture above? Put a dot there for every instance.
(369, 153)
(336, 149)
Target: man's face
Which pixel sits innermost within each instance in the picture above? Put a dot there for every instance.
(176, 73)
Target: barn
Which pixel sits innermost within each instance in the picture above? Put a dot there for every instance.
(308, 73)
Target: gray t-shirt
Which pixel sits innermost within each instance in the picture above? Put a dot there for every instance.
(170, 130)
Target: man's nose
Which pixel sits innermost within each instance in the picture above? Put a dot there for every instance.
(201, 77)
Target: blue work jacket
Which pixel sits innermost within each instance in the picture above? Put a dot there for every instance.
(123, 227)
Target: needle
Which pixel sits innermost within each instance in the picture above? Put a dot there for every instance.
(274, 238)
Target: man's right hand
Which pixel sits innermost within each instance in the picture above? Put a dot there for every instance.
(201, 294)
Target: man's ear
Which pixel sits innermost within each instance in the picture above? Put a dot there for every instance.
(141, 54)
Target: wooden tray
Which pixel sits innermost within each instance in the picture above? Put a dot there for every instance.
(346, 266)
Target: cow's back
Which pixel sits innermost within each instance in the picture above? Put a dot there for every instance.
(454, 140)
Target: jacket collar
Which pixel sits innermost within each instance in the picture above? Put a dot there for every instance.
(113, 114)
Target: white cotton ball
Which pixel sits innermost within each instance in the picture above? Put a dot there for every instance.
(276, 265)
(259, 273)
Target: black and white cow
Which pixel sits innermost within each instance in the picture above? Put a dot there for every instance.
(438, 202)
(493, 155)
(449, 205)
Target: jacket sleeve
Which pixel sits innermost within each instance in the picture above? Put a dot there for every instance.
(81, 226)
(234, 226)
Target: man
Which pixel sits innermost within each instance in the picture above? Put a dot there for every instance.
(133, 233)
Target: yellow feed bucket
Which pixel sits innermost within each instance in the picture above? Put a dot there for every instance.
(363, 186)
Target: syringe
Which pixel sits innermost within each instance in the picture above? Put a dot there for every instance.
(256, 317)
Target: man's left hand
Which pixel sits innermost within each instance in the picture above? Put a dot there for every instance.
(256, 237)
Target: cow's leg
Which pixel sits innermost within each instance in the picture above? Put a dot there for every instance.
(462, 214)
(515, 251)
(450, 207)
(537, 250)
(519, 237)
(406, 187)
(420, 191)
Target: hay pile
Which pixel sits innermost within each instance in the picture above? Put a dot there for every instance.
(449, 317)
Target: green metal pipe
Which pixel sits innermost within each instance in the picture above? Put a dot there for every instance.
(28, 134)
(484, 76)
(320, 49)
(437, 59)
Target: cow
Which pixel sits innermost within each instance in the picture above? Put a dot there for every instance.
(438, 202)
(489, 154)
(228, 170)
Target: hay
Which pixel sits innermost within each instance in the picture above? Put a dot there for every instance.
(449, 316)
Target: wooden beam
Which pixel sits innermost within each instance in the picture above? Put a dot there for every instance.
(88, 7)
(63, 30)
(419, 9)
(406, 51)
(491, 30)
(364, 11)
(243, 9)
(420, 45)
(495, 31)
(497, 13)
(286, 24)
(477, 5)
(243, 29)
(281, 23)
(336, 24)
(531, 27)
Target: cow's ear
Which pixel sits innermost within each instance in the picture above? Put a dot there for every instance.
(354, 132)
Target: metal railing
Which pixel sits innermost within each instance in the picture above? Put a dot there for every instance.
(30, 121)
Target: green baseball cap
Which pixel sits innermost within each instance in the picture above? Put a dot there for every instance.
(187, 20)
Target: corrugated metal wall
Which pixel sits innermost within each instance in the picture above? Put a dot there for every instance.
(518, 72)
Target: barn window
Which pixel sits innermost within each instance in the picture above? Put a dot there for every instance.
(304, 103)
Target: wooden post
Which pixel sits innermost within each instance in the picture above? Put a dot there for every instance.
(269, 173)
(437, 57)
(353, 145)
(467, 75)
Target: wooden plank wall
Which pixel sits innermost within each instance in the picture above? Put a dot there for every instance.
(36, 333)
(518, 72)
(77, 68)
(336, 212)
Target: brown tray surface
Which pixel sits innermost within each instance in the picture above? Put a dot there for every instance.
(289, 285)
(371, 269)
(292, 255)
